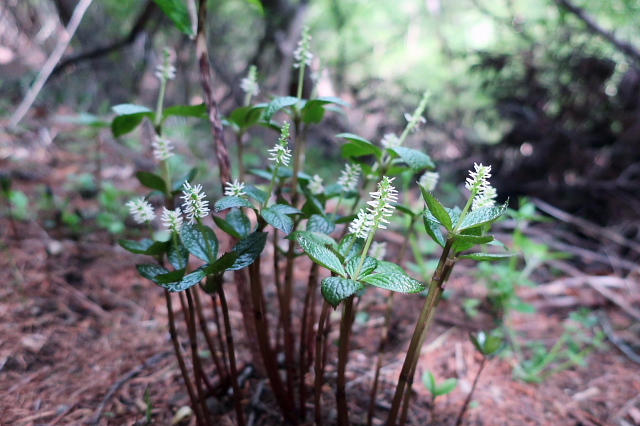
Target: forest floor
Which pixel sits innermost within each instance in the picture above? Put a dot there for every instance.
(84, 339)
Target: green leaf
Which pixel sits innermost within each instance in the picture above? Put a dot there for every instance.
(433, 229)
(405, 210)
(246, 116)
(179, 183)
(226, 227)
(418, 161)
(225, 262)
(486, 256)
(395, 282)
(186, 282)
(257, 194)
(429, 381)
(319, 223)
(336, 289)
(169, 277)
(324, 100)
(436, 209)
(446, 387)
(358, 146)
(465, 242)
(231, 202)
(178, 255)
(284, 209)
(258, 5)
(278, 220)
(199, 111)
(277, 104)
(237, 224)
(524, 307)
(151, 270)
(488, 344)
(123, 124)
(177, 11)
(321, 255)
(198, 239)
(482, 216)
(130, 109)
(368, 266)
(389, 267)
(152, 181)
(316, 237)
(145, 246)
(312, 114)
(248, 249)
(348, 242)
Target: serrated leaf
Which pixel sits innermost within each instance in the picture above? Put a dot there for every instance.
(487, 256)
(248, 249)
(169, 277)
(482, 216)
(436, 209)
(316, 237)
(231, 202)
(225, 262)
(198, 111)
(186, 282)
(178, 255)
(336, 289)
(395, 282)
(284, 209)
(319, 223)
(145, 246)
(353, 244)
(150, 270)
(152, 181)
(257, 194)
(368, 266)
(433, 229)
(277, 104)
(200, 241)
(416, 160)
(389, 267)
(177, 11)
(321, 255)
(278, 220)
(358, 146)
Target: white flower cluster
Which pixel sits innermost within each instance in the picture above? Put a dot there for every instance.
(390, 140)
(429, 180)
(166, 71)
(235, 189)
(378, 250)
(478, 184)
(280, 153)
(349, 177)
(315, 185)
(302, 54)
(162, 148)
(249, 84)
(195, 206)
(141, 210)
(172, 219)
(379, 209)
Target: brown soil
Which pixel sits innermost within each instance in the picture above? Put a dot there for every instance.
(84, 339)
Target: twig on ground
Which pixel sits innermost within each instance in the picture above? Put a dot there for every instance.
(130, 375)
(616, 340)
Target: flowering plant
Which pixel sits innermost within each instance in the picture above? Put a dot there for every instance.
(301, 215)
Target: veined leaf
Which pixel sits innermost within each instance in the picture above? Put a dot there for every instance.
(368, 266)
(225, 262)
(186, 282)
(395, 282)
(248, 249)
(316, 237)
(257, 194)
(433, 229)
(169, 277)
(178, 255)
(319, 223)
(277, 104)
(284, 209)
(436, 209)
(418, 161)
(231, 202)
(482, 216)
(336, 289)
(145, 246)
(151, 270)
(385, 267)
(278, 220)
(321, 255)
(199, 239)
(358, 146)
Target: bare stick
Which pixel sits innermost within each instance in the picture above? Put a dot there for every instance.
(51, 62)
(473, 388)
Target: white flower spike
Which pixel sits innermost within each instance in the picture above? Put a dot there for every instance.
(141, 210)
(349, 177)
(379, 209)
(315, 185)
(166, 71)
(429, 180)
(478, 179)
(162, 148)
(172, 219)
(195, 206)
(280, 153)
(485, 198)
(249, 84)
(390, 140)
(302, 54)
(235, 189)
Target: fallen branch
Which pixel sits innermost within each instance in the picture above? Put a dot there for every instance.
(48, 66)
(617, 341)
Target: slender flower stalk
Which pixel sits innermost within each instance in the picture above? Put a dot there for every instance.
(303, 58)
(141, 210)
